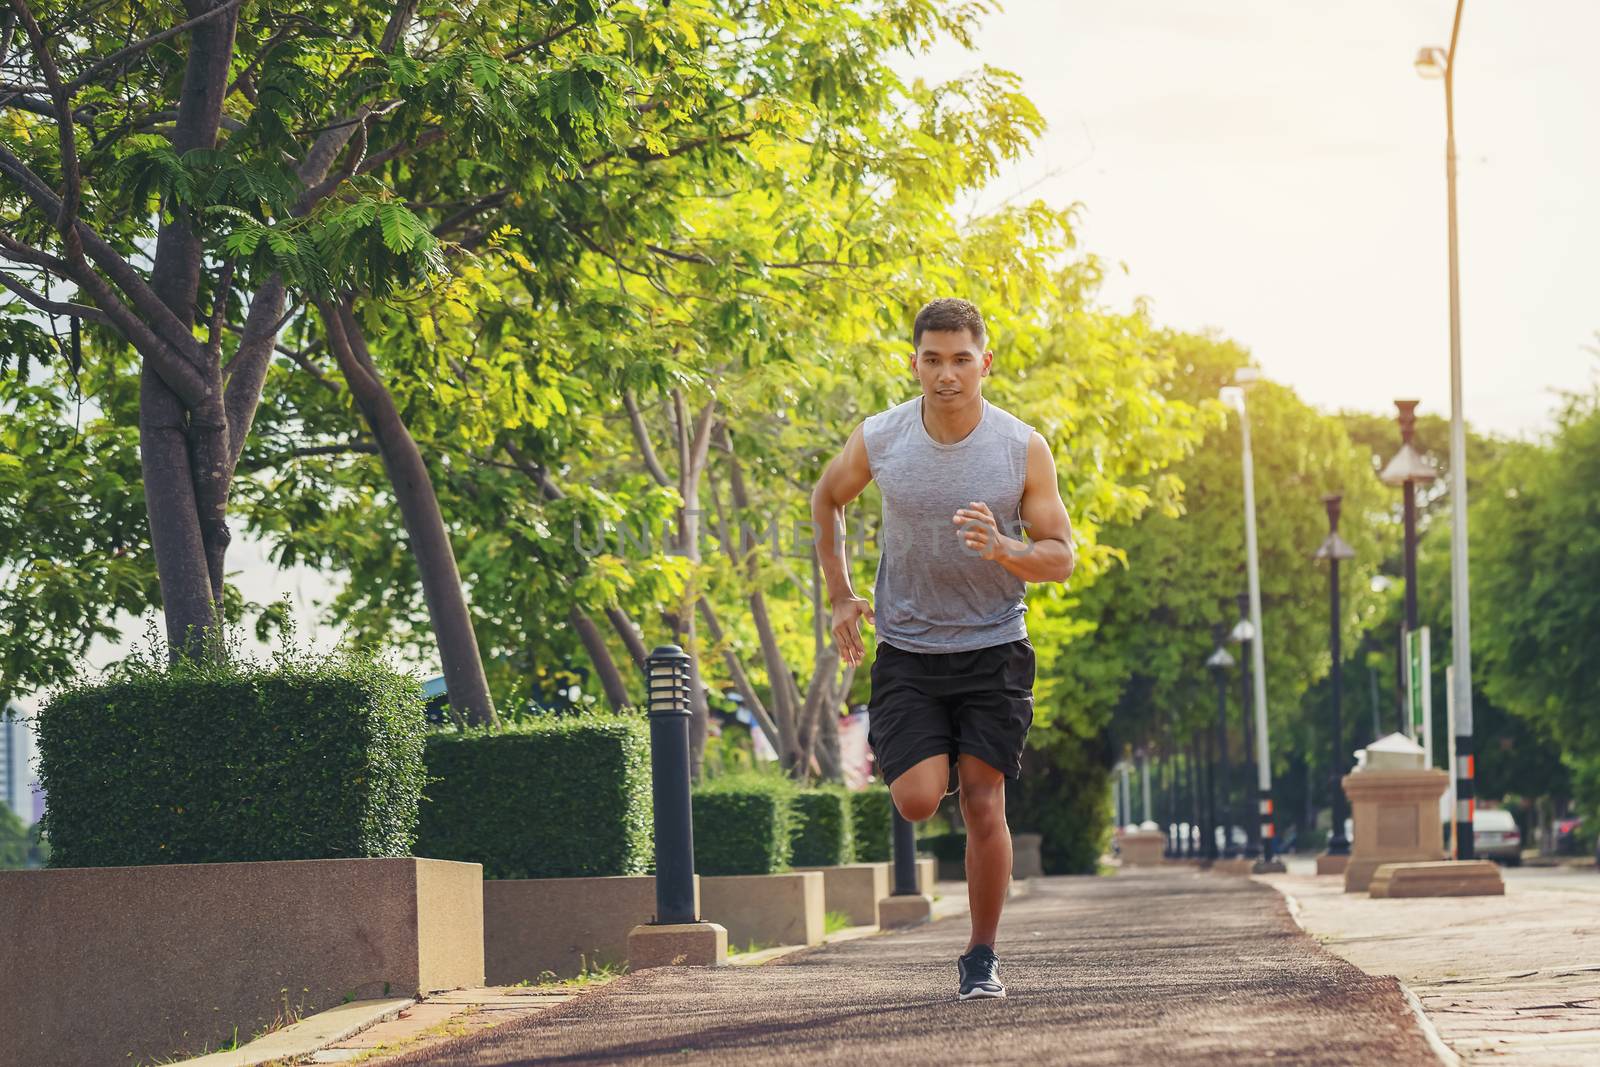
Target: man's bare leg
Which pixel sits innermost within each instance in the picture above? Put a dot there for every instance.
(983, 809)
(917, 792)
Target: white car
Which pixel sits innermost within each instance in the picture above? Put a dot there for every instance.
(1495, 836)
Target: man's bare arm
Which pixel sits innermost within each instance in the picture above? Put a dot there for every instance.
(1047, 555)
(843, 480)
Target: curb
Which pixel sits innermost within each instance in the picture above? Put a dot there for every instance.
(1430, 1033)
(306, 1036)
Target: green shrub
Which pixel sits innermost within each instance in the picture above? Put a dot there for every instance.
(743, 824)
(947, 847)
(227, 759)
(871, 812)
(1062, 797)
(823, 834)
(548, 797)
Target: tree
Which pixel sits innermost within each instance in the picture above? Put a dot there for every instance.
(265, 156)
(740, 280)
(1140, 672)
(16, 846)
(1536, 562)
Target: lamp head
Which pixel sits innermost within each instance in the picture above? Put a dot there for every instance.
(1243, 630)
(1431, 63)
(1334, 548)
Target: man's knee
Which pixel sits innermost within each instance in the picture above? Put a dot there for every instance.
(983, 809)
(916, 805)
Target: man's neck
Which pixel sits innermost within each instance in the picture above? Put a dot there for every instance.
(952, 426)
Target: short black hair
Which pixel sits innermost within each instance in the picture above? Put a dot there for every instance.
(948, 314)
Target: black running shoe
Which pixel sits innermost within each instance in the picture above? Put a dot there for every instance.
(980, 974)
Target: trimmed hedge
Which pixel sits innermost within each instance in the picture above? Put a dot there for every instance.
(550, 797)
(743, 824)
(823, 833)
(231, 760)
(871, 813)
(947, 847)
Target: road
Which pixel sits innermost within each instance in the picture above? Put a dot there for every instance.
(1171, 966)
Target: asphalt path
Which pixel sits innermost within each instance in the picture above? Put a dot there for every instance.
(1169, 967)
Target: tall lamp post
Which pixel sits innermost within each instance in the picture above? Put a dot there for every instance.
(1244, 632)
(1335, 549)
(1233, 396)
(1219, 663)
(1408, 470)
(1441, 63)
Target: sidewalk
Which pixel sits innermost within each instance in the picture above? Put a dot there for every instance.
(1161, 967)
(1504, 979)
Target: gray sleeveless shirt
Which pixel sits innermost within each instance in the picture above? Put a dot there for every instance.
(933, 593)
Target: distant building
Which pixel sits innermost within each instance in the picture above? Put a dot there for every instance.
(17, 780)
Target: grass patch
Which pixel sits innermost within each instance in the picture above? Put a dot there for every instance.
(835, 921)
(753, 946)
(590, 973)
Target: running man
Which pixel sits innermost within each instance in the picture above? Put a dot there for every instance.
(952, 677)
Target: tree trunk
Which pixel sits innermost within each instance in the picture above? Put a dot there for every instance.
(741, 679)
(185, 491)
(594, 644)
(628, 630)
(181, 563)
(419, 509)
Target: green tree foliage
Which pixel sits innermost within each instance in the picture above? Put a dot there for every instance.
(1535, 566)
(15, 845)
(693, 364)
(1140, 672)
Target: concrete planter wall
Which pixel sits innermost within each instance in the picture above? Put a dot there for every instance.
(854, 889)
(928, 873)
(767, 909)
(1027, 860)
(117, 964)
(532, 925)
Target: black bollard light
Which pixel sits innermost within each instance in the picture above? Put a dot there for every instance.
(667, 671)
(905, 856)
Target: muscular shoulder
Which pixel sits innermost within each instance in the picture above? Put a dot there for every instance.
(877, 431)
(1009, 426)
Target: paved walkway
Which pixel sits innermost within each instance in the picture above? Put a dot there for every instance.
(1166, 967)
(1512, 979)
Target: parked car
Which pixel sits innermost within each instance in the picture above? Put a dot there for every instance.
(1495, 836)
(1567, 833)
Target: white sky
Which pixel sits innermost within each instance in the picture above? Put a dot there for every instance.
(1275, 169)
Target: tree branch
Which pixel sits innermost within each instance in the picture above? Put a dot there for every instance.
(641, 435)
(549, 38)
(66, 130)
(248, 369)
(117, 58)
(54, 307)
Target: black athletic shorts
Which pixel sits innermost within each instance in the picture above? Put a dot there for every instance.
(931, 703)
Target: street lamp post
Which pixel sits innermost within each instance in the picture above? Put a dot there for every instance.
(1234, 397)
(1218, 663)
(1408, 470)
(1334, 549)
(1191, 802)
(1200, 794)
(1435, 63)
(1244, 632)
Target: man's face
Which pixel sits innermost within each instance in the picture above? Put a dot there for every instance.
(951, 365)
